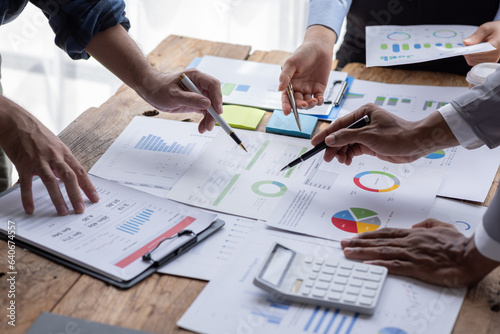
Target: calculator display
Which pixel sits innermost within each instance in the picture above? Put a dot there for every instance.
(277, 265)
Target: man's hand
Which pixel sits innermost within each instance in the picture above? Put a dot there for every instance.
(308, 68)
(488, 32)
(387, 137)
(35, 150)
(432, 251)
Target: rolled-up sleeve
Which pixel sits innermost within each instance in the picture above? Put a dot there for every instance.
(328, 13)
(75, 22)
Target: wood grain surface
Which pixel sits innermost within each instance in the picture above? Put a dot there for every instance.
(158, 302)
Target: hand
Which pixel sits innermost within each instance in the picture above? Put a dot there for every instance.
(308, 68)
(432, 251)
(35, 150)
(488, 32)
(387, 137)
(164, 92)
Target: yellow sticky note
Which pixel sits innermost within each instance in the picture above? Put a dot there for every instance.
(242, 117)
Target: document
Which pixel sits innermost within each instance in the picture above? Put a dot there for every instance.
(397, 45)
(111, 236)
(368, 195)
(152, 154)
(255, 84)
(228, 180)
(230, 303)
(468, 173)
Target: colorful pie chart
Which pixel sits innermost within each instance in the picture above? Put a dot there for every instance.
(356, 220)
(375, 181)
(435, 155)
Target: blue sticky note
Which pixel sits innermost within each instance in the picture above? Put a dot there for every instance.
(286, 125)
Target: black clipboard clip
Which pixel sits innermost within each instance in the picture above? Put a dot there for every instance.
(340, 95)
(192, 239)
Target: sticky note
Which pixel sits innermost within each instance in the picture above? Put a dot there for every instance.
(242, 117)
(286, 125)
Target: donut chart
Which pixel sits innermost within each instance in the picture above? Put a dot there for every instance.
(375, 181)
(444, 34)
(269, 188)
(356, 220)
(398, 36)
(435, 155)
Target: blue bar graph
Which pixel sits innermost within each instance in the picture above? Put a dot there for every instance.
(417, 46)
(157, 144)
(133, 225)
(327, 321)
(395, 47)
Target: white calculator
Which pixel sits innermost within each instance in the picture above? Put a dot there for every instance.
(343, 284)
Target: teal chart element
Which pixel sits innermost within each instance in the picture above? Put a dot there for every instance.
(269, 188)
(398, 36)
(391, 330)
(436, 155)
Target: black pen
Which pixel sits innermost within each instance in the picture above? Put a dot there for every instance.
(365, 120)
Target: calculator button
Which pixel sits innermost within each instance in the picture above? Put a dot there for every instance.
(316, 268)
(308, 259)
(347, 265)
(340, 280)
(377, 270)
(306, 291)
(313, 275)
(353, 290)
(350, 298)
(366, 301)
(334, 295)
(319, 261)
(356, 282)
(309, 283)
(328, 270)
(368, 293)
(325, 278)
(321, 285)
(319, 293)
(337, 287)
(361, 267)
(343, 273)
(367, 277)
(371, 285)
(331, 263)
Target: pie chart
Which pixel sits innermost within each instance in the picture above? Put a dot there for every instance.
(356, 220)
(435, 155)
(375, 181)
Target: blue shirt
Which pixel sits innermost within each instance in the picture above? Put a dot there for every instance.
(328, 13)
(74, 22)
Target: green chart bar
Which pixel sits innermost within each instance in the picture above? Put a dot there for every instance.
(427, 45)
(257, 155)
(392, 101)
(406, 47)
(383, 46)
(226, 190)
(228, 88)
(290, 171)
(405, 101)
(380, 100)
(448, 45)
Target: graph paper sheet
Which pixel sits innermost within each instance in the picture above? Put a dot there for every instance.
(397, 45)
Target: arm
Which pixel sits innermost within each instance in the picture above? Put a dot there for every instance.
(117, 51)
(309, 66)
(35, 150)
(488, 32)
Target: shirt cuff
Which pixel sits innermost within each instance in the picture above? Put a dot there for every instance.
(462, 131)
(486, 245)
(328, 13)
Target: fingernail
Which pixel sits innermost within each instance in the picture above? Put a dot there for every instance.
(94, 197)
(348, 250)
(467, 40)
(29, 209)
(79, 207)
(221, 108)
(204, 103)
(330, 140)
(62, 210)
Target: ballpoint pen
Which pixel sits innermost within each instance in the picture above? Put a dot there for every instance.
(365, 120)
(289, 91)
(189, 85)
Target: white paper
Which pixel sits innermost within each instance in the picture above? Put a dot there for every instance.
(208, 257)
(368, 195)
(232, 304)
(155, 164)
(397, 45)
(111, 236)
(255, 84)
(468, 173)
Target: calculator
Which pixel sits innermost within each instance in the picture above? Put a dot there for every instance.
(343, 284)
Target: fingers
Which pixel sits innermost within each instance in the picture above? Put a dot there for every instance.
(377, 253)
(83, 180)
(431, 223)
(25, 183)
(208, 85)
(287, 72)
(285, 103)
(478, 36)
(50, 181)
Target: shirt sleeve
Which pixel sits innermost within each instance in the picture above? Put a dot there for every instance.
(75, 22)
(462, 131)
(328, 13)
(479, 107)
(487, 235)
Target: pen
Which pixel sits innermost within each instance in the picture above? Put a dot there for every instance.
(189, 85)
(365, 120)
(289, 91)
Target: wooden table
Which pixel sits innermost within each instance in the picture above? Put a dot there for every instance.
(158, 302)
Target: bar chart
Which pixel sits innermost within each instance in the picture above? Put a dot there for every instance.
(133, 225)
(158, 144)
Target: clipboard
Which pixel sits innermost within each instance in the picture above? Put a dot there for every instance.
(190, 241)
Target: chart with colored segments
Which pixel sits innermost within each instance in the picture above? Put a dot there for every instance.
(356, 220)
(396, 45)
